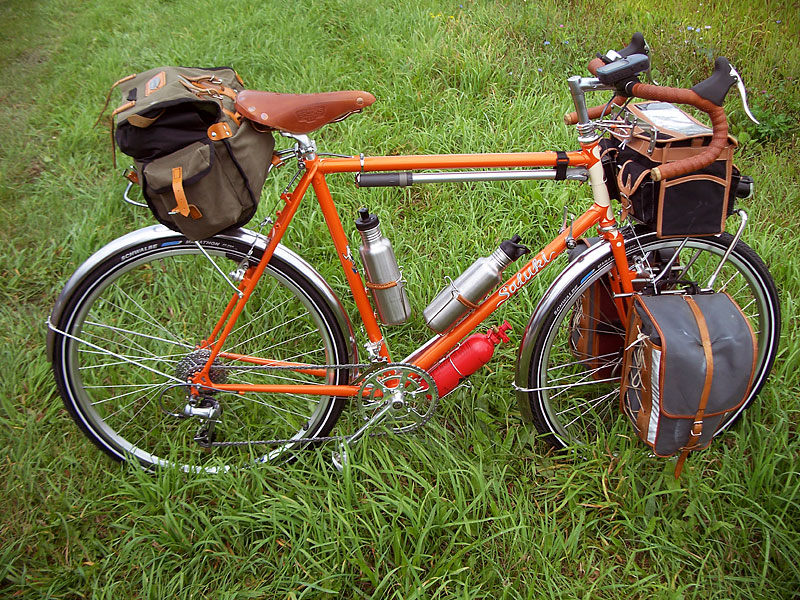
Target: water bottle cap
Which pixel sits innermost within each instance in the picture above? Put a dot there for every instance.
(513, 249)
(366, 221)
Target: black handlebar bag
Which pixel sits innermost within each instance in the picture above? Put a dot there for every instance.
(689, 362)
(201, 166)
(697, 203)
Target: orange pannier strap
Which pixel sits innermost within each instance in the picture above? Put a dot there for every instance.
(182, 206)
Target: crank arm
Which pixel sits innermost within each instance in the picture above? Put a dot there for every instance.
(339, 458)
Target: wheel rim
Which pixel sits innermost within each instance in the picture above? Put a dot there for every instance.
(578, 408)
(155, 311)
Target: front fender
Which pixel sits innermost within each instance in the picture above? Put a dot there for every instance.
(158, 234)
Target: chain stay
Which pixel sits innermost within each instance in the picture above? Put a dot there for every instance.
(369, 368)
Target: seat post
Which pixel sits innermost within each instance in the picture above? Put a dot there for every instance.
(306, 147)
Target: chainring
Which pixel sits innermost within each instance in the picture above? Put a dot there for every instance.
(410, 389)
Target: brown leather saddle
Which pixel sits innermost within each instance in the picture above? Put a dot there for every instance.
(300, 113)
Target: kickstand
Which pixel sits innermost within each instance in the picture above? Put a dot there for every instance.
(339, 457)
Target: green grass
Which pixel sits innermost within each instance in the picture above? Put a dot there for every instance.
(472, 507)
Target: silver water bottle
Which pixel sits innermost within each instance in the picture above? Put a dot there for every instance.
(383, 275)
(463, 295)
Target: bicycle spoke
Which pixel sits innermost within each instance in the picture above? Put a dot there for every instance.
(150, 321)
(138, 334)
(262, 334)
(139, 389)
(149, 399)
(590, 403)
(132, 358)
(260, 316)
(605, 358)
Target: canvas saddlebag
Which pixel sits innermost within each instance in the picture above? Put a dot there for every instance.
(689, 362)
(697, 203)
(200, 165)
(597, 334)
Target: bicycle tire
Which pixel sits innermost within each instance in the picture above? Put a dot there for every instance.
(571, 408)
(127, 335)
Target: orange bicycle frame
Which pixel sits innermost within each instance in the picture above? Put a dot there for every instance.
(316, 168)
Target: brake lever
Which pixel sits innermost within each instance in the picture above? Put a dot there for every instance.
(649, 72)
(743, 93)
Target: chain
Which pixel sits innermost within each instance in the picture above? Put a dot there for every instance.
(297, 367)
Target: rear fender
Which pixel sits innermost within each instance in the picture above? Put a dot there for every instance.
(158, 234)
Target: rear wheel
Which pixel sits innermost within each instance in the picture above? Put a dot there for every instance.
(570, 403)
(128, 338)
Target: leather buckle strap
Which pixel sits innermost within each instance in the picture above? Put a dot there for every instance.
(697, 425)
(182, 206)
(219, 131)
(381, 286)
(466, 302)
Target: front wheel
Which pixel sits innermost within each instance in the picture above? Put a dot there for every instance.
(571, 399)
(126, 340)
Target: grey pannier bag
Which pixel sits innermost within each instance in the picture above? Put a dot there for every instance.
(689, 362)
(200, 165)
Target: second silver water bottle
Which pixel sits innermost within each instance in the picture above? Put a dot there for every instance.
(464, 294)
(383, 275)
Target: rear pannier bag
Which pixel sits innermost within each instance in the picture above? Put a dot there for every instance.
(697, 203)
(689, 362)
(201, 167)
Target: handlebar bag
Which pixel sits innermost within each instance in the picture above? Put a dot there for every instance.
(697, 203)
(689, 362)
(200, 165)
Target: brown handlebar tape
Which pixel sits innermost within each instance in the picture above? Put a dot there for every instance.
(595, 64)
(719, 125)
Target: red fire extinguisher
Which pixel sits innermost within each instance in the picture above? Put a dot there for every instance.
(467, 358)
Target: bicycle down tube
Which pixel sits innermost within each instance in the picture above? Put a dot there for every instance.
(314, 176)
